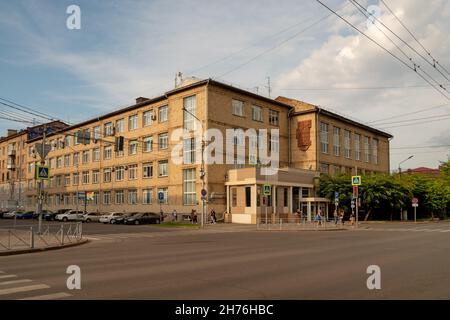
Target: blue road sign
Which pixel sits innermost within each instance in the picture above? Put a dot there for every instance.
(161, 196)
(336, 195)
(356, 180)
(42, 172)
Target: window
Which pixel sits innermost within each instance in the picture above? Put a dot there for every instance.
(248, 196)
(347, 148)
(357, 147)
(95, 198)
(85, 156)
(67, 160)
(85, 177)
(274, 117)
(163, 113)
(189, 195)
(324, 168)
(119, 197)
(189, 151)
(375, 150)
(366, 149)
(76, 178)
(233, 197)
(147, 170)
(107, 175)
(108, 129)
(274, 143)
(132, 147)
(76, 159)
(285, 197)
(132, 122)
(324, 137)
(120, 125)
(238, 107)
(257, 113)
(96, 154)
(162, 168)
(107, 153)
(166, 194)
(163, 141)
(67, 179)
(132, 196)
(147, 118)
(52, 164)
(67, 141)
(106, 197)
(132, 171)
(238, 137)
(190, 104)
(147, 195)
(59, 162)
(336, 141)
(148, 144)
(120, 173)
(97, 134)
(95, 176)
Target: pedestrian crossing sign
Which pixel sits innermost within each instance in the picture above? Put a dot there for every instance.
(42, 172)
(356, 180)
(267, 189)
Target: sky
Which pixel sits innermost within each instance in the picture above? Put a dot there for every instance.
(126, 49)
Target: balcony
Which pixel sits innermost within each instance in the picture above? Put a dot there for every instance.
(12, 152)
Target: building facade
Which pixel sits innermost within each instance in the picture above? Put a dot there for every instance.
(87, 158)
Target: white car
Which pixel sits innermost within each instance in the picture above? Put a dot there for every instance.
(110, 217)
(10, 214)
(71, 215)
(91, 217)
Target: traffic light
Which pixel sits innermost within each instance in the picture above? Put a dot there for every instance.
(119, 143)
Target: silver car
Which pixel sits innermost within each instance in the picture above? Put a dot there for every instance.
(92, 217)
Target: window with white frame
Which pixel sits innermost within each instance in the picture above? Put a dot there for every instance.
(165, 192)
(147, 118)
(96, 154)
(120, 125)
(132, 196)
(189, 114)
(257, 113)
(324, 137)
(357, 139)
(163, 141)
(189, 151)
(59, 162)
(95, 198)
(147, 170)
(120, 173)
(147, 195)
(67, 141)
(97, 133)
(95, 176)
(76, 159)
(132, 147)
(163, 168)
(119, 196)
(132, 122)
(347, 144)
(85, 156)
(67, 179)
(336, 141)
(107, 175)
(189, 194)
(106, 197)
(76, 178)
(67, 160)
(238, 107)
(107, 153)
(366, 149)
(148, 144)
(274, 117)
(108, 129)
(132, 171)
(85, 177)
(375, 150)
(163, 113)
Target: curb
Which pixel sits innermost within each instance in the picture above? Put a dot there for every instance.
(22, 251)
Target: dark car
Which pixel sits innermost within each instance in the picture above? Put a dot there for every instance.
(127, 215)
(25, 215)
(143, 218)
(48, 215)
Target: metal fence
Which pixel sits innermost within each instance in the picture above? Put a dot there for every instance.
(297, 224)
(28, 237)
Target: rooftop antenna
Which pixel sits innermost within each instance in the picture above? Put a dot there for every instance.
(269, 89)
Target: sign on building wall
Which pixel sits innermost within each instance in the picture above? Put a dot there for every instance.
(304, 134)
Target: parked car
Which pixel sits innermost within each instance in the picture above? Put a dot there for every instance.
(44, 212)
(143, 218)
(110, 217)
(49, 216)
(11, 214)
(121, 219)
(92, 217)
(25, 215)
(71, 215)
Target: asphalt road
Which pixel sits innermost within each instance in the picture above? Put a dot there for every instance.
(225, 262)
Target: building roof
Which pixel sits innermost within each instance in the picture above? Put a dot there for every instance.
(302, 107)
(424, 170)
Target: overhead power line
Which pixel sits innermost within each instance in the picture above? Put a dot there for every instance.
(410, 113)
(421, 122)
(26, 109)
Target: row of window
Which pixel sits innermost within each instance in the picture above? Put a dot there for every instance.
(324, 133)
(335, 169)
(238, 109)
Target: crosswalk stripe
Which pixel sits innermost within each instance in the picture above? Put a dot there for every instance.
(52, 296)
(8, 276)
(4, 283)
(23, 289)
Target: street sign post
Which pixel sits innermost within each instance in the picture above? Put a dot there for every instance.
(204, 192)
(336, 199)
(356, 180)
(161, 200)
(42, 172)
(415, 204)
(355, 191)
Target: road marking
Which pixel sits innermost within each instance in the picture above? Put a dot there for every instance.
(445, 230)
(14, 282)
(8, 276)
(52, 296)
(23, 289)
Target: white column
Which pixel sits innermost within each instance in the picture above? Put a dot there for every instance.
(291, 198)
(309, 211)
(274, 200)
(228, 200)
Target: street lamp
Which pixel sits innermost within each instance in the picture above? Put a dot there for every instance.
(202, 167)
(399, 168)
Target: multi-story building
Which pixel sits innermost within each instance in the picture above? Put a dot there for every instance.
(162, 155)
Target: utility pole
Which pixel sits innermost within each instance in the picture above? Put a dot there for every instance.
(269, 88)
(41, 182)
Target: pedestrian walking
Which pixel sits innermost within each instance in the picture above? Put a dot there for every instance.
(352, 219)
(318, 218)
(174, 215)
(194, 216)
(161, 216)
(335, 216)
(213, 216)
(341, 216)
